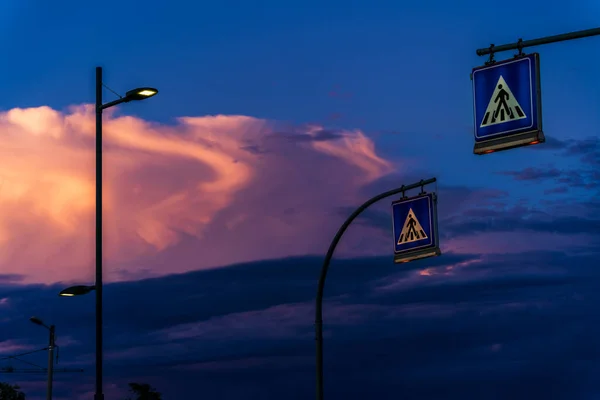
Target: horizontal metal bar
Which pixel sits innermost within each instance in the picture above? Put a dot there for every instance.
(418, 184)
(540, 41)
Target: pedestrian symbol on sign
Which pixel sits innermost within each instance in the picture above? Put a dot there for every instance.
(503, 106)
(412, 230)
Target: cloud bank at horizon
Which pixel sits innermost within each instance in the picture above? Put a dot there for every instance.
(420, 321)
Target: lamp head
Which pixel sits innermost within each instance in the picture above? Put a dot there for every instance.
(76, 290)
(36, 321)
(140, 93)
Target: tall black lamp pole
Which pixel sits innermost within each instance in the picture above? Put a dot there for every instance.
(135, 94)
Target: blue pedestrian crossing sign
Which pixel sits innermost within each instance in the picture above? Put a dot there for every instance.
(507, 104)
(415, 227)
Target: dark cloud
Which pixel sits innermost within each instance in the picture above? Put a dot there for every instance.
(292, 134)
(586, 176)
(318, 135)
(495, 326)
(580, 179)
(517, 219)
(530, 173)
(552, 143)
(254, 149)
(575, 178)
(588, 150)
(451, 199)
(471, 211)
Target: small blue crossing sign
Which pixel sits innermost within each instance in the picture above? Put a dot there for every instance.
(507, 104)
(415, 227)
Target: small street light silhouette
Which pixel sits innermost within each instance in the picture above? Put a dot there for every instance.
(51, 345)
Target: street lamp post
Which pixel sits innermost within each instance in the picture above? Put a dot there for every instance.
(132, 95)
(51, 345)
(99, 395)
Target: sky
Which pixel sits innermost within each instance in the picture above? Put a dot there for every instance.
(273, 122)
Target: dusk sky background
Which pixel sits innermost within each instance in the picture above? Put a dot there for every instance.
(274, 120)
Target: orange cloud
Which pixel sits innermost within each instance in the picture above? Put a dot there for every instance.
(193, 195)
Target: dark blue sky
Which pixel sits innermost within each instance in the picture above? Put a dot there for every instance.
(390, 67)
(507, 312)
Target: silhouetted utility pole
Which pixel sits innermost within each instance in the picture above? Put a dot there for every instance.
(38, 369)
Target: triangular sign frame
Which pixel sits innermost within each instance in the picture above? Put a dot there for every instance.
(412, 230)
(503, 106)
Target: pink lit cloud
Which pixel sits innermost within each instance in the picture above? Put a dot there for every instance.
(203, 192)
(12, 346)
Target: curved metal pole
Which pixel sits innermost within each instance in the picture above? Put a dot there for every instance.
(323, 276)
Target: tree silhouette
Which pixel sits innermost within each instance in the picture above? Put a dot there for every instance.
(141, 391)
(12, 392)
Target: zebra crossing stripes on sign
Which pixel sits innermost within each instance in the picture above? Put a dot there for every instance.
(412, 230)
(502, 107)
